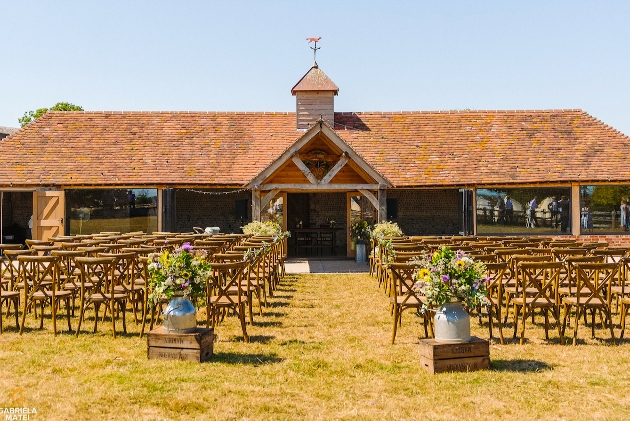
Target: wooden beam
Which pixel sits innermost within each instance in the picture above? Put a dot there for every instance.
(382, 205)
(373, 200)
(320, 187)
(576, 211)
(256, 205)
(307, 173)
(268, 197)
(338, 166)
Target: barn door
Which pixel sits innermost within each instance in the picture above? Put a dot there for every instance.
(466, 215)
(48, 214)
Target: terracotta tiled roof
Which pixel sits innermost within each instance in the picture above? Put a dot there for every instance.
(488, 147)
(229, 149)
(138, 148)
(315, 80)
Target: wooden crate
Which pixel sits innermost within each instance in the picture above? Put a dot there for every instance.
(163, 345)
(437, 357)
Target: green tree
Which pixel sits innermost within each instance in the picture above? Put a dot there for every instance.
(34, 115)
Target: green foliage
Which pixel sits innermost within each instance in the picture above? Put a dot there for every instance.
(265, 228)
(386, 229)
(448, 275)
(185, 271)
(31, 116)
(607, 198)
(360, 231)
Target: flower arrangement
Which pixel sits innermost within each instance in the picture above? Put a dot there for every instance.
(184, 270)
(386, 229)
(448, 276)
(360, 231)
(265, 228)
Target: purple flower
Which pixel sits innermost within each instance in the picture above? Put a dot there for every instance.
(433, 269)
(445, 278)
(186, 247)
(489, 278)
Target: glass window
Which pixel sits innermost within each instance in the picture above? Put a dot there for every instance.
(604, 209)
(274, 211)
(90, 211)
(536, 211)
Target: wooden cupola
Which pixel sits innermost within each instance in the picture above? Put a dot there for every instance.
(314, 98)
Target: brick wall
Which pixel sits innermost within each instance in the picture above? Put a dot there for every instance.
(17, 208)
(612, 240)
(427, 212)
(210, 210)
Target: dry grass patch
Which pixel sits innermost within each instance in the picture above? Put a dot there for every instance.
(321, 351)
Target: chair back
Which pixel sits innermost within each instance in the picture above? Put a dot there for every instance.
(594, 282)
(403, 284)
(98, 271)
(226, 283)
(38, 274)
(611, 254)
(538, 282)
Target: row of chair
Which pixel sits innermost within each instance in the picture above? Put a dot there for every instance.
(530, 276)
(108, 277)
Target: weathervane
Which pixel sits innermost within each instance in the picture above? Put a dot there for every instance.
(314, 48)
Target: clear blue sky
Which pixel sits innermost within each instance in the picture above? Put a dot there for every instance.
(383, 55)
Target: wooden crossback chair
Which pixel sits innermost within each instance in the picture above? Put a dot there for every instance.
(40, 279)
(69, 272)
(224, 292)
(403, 294)
(536, 289)
(621, 289)
(510, 286)
(493, 302)
(99, 272)
(592, 292)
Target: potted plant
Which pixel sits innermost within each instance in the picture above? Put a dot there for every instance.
(447, 279)
(360, 236)
(180, 276)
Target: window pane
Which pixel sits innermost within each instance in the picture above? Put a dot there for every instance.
(604, 209)
(274, 211)
(534, 211)
(91, 211)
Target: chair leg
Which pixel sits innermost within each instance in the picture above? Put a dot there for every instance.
(111, 307)
(68, 310)
(395, 323)
(577, 323)
(53, 309)
(241, 316)
(524, 319)
(624, 310)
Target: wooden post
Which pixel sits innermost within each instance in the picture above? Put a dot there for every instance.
(382, 204)
(576, 211)
(256, 205)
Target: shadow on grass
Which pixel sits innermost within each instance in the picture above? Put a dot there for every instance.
(519, 365)
(275, 304)
(273, 313)
(261, 339)
(252, 359)
(268, 323)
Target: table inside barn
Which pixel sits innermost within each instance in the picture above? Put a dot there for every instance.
(316, 239)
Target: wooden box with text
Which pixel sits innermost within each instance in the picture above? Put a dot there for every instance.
(439, 357)
(197, 346)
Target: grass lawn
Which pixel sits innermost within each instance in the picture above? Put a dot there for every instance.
(322, 351)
